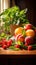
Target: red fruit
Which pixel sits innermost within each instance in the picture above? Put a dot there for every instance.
(10, 40)
(17, 46)
(28, 40)
(9, 43)
(26, 44)
(28, 26)
(4, 42)
(4, 46)
(30, 47)
(20, 38)
(17, 36)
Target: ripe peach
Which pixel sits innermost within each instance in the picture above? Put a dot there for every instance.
(30, 32)
(18, 30)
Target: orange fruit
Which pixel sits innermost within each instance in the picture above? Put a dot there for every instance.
(18, 30)
(30, 32)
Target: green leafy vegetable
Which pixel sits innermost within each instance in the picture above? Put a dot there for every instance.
(13, 48)
(13, 15)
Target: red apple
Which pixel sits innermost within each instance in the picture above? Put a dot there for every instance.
(28, 40)
(28, 26)
(19, 37)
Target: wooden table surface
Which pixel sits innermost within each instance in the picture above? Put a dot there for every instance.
(20, 52)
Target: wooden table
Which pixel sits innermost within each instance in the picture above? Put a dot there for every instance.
(21, 57)
(20, 52)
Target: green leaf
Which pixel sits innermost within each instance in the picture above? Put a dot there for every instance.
(13, 48)
(23, 12)
(23, 32)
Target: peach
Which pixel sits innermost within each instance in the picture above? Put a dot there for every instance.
(30, 32)
(18, 30)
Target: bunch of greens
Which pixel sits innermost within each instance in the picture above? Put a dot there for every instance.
(14, 16)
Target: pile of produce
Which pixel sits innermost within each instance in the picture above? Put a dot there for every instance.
(23, 38)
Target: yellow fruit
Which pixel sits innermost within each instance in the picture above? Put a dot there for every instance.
(18, 30)
(30, 32)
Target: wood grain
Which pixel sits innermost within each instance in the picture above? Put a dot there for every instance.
(20, 52)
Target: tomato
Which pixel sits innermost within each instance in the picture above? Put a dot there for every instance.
(29, 47)
(17, 46)
(4, 42)
(4, 46)
(26, 44)
(9, 43)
